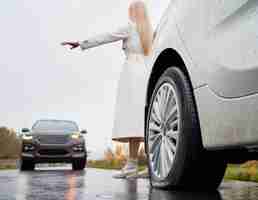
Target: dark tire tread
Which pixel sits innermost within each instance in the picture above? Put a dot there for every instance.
(27, 165)
(79, 164)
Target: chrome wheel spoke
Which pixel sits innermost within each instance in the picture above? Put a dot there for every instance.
(163, 130)
(170, 155)
(156, 157)
(164, 101)
(172, 115)
(154, 146)
(162, 166)
(173, 125)
(164, 158)
(153, 127)
(155, 114)
(172, 134)
(171, 146)
(169, 102)
(159, 102)
(162, 106)
(154, 137)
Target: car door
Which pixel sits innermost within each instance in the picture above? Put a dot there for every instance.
(222, 38)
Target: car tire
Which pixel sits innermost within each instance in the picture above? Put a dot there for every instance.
(176, 157)
(27, 165)
(79, 164)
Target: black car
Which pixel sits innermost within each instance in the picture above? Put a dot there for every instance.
(53, 141)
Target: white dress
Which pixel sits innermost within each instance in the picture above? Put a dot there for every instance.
(129, 109)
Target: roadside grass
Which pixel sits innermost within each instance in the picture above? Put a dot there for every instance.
(7, 164)
(110, 164)
(8, 167)
(105, 164)
(244, 172)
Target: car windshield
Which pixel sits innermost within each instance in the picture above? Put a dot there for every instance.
(55, 125)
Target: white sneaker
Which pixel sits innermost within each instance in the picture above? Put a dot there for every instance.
(142, 174)
(131, 168)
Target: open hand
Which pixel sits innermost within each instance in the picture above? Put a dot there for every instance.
(72, 45)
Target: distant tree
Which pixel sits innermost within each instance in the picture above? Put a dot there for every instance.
(10, 144)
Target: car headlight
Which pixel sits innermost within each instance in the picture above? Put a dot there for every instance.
(28, 147)
(27, 137)
(79, 147)
(75, 135)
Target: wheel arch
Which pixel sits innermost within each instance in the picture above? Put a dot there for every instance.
(167, 58)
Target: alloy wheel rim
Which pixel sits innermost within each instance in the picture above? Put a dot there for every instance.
(163, 130)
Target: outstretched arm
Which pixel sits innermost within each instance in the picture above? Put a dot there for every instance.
(121, 34)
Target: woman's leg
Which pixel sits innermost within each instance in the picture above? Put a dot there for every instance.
(131, 166)
(134, 145)
(133, 148)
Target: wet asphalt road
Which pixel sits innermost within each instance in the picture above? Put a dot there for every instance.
(63, 183)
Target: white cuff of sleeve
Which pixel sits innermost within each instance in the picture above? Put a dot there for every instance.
(83, 44)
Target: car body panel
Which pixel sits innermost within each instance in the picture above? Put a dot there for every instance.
(222, 38)
(218, 42)
(168, 37)
(227, 123)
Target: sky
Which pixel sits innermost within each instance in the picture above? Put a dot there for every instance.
(40, 79)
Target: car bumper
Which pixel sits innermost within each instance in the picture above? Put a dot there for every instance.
(53, 153)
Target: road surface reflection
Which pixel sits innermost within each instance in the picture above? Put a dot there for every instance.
(98, 184)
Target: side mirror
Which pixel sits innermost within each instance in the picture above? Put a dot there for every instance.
(25, 130)
(83, 131)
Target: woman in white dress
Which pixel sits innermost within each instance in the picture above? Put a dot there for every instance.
(137, 39)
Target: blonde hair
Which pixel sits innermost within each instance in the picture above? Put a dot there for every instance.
(138, 14)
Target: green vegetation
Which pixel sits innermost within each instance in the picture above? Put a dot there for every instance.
(245, 172)
(7, 164)
(109, 164)
(7, 167)
(104, 164)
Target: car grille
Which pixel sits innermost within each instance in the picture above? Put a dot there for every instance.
(53, 139)
(52, 152)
